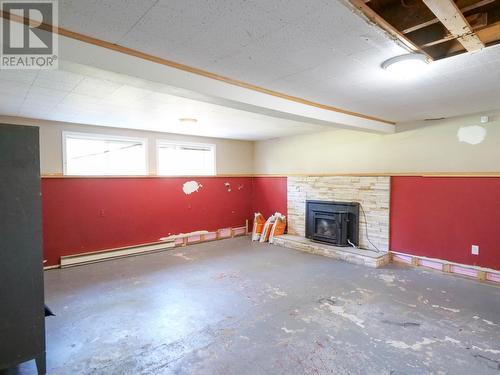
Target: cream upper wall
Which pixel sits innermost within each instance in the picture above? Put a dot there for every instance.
(232, 156)
(415, 148)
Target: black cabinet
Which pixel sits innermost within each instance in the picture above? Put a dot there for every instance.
(22, 325)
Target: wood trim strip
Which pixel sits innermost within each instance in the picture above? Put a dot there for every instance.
(397, 174)
(158, 60)
(61, 176)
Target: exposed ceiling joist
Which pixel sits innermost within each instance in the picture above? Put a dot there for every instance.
(453, 19)
(421, 16)
(437, 33)
(440, 28)
(489, 34)
(433, 21)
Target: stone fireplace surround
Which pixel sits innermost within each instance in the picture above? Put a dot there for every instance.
(373, 193)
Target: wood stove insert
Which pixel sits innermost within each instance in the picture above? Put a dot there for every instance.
(336, 223)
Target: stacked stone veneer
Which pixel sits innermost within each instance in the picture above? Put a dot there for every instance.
(373, 193)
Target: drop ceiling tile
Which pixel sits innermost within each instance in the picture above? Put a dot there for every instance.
(12, 101)
(96, 88)
(57, 80)
(59, 75)
(9, 108)
(254, 67)
(341, 68)
(45, 95)
(163, 30)
(289, 45)
(290, 10)
(14, 88)
(159, 99)
(55, 85)
(128, 95)
(198, 33)
(35, 109)
(81, 101)
(25, 76)
(338, 27)
(105, 19)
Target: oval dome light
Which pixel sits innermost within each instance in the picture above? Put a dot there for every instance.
(406, 66)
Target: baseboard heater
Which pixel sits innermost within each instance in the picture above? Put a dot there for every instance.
(121, 252)
(148, 248)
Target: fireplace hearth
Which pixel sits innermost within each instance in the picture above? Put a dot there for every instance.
(336, 223)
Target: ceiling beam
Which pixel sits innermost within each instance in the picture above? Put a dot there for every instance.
(453, 19)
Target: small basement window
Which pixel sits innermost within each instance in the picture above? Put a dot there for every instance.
(102, 154)
(185, 159)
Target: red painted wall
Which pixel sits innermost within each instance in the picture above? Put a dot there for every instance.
(433, 217)
(442, 218)
(89, 214)
(269, 195)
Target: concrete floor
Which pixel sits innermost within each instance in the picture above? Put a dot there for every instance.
(236, 307)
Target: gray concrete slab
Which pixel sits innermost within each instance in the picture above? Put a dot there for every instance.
(236, 307)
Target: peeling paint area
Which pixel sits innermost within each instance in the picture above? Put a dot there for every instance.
(472, 135)
(292, 331)
(387, 278)
(340, 311)
(493, 351)
(486, 321)
(183, 256)
(446, 308)
(191, 187)
(274, 292)
(416, 346)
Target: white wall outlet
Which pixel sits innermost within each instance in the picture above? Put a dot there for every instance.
(474, 250)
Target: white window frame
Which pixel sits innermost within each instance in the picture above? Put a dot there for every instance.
(160, 142)
(103, 136)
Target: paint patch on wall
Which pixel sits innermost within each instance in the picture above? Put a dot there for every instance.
(191, 187)
(472, 135)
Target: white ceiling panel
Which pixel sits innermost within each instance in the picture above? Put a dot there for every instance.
(105, 19)
(318, 49)
(10, 88)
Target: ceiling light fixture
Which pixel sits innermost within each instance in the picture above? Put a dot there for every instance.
(485, 119)
(188, 120)
(406, 66)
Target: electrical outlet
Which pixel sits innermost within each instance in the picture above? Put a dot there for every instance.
(474, 250)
